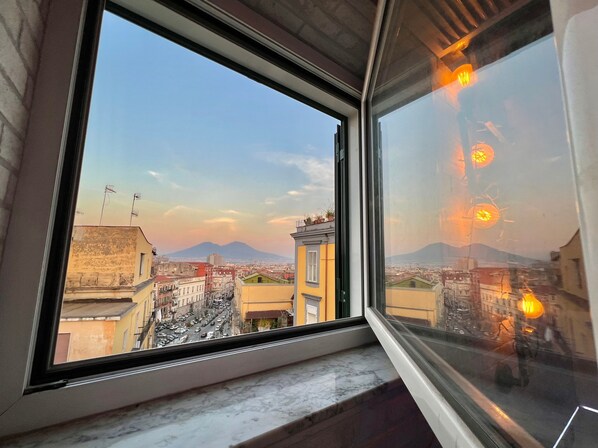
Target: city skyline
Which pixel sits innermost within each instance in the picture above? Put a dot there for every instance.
(216, 156)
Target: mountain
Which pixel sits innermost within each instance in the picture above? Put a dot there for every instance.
(443, 254)
(235, 252)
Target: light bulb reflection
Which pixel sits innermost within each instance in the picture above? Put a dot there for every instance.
(484, 215)
(481, 155)
(464, 74)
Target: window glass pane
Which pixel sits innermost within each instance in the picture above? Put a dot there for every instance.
(199, 190)
(484, 279)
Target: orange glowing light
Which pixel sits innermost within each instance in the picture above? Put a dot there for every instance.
(481, 155)
(531, 306)
(484, 215)
(464, 74)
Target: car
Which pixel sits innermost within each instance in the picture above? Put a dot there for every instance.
(183, 339)
(203, 335)
(225, 334)
(210, 335)
(197, 330)
(212, 323)
(180, 330)
(217, 327)
(218, 320)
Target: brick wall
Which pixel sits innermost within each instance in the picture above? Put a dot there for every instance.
(22, 25)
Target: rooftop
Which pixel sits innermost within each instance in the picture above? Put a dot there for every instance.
(96, 310)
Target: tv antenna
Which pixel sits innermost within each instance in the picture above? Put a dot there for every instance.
(109, 189)
(134, 212)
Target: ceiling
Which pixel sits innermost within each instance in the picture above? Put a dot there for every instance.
(332, 35)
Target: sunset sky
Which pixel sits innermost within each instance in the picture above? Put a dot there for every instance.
(427, 194)
(216, 156)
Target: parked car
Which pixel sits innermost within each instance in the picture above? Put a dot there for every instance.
(203, 335)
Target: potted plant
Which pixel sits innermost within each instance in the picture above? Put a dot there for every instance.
(318, 219)
(307, 221)
(330, 215)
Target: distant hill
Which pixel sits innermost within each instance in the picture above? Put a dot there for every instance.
(444, 254)
(235, 252)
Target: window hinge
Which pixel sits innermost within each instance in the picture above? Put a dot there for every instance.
(46, 386)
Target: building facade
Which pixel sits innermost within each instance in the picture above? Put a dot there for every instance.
(315, 288)
(108, 304)
(263, 302)
(215, 259)
(191, 294)
(416, 300)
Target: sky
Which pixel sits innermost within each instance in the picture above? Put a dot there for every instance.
(215, 155)
(428, 196)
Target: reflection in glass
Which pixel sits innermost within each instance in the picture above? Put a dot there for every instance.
(484, 271)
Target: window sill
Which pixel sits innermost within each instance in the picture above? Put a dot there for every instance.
(259, 409)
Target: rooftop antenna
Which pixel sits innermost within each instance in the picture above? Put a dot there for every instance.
(107, 190)
(133, 211)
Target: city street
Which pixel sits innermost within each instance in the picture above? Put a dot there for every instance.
(190, 328)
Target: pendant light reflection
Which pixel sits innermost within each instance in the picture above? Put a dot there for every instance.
(532, 308)
(481, 155)
(484, 215)
(464, 74)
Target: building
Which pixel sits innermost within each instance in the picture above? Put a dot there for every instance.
(175, 268)
(457, 288)
(215, 259)
(263, 302)
(315, 273)
(223, 278)
(415, 300)
(190, 294)
(570, 306)
(165, 292)
(108, 298)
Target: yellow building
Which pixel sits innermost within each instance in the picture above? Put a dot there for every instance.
(108, 297)
(263, 302)
(415, 300)
(314, 273)
(572, 308)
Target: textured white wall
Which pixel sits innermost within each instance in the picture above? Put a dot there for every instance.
(22, 25)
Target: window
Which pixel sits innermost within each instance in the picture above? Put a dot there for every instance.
(472, 170)
(141, 264)
(98, 273)
(312, 314)
(312, 266)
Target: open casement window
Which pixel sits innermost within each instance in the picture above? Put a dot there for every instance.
(170, 144)
(476, 261)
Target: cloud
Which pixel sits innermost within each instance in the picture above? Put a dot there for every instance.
(222, 224)
(319, 172)
(180, 208)
(286, 220)
(158, 176)
(231, 212)
(161, 177)
(223, 220)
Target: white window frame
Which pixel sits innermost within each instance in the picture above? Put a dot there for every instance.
(312, 265)
(30, 231)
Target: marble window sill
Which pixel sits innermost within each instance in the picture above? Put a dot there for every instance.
(268, 406)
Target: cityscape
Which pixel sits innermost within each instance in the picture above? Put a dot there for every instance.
(121, 296)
